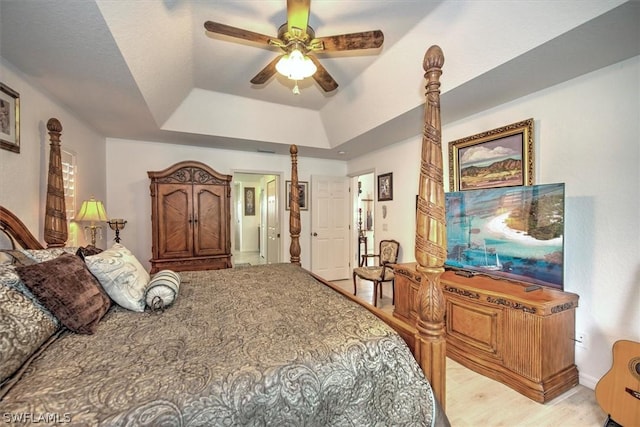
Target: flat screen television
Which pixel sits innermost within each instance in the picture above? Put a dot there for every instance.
(512, 233)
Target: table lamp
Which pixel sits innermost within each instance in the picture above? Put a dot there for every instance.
(92, 211)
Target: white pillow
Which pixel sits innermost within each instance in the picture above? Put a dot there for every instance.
(162, 290)
(121, 275)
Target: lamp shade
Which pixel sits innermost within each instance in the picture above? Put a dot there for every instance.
(92, 210)
(296, 66)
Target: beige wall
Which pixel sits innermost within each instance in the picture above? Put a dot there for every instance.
(23, 176)
(128, 185)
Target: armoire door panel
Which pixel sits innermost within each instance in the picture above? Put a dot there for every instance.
(209, 231)
(175, 233)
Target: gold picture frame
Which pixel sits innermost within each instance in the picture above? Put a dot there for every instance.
(9, 119)
(501, 157)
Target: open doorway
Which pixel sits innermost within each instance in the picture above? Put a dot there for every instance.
(256, 228)
(363, 215)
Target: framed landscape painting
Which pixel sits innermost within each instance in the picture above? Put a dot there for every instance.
(501, 157)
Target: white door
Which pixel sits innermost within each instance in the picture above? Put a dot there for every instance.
(273, 228)
(330, 221)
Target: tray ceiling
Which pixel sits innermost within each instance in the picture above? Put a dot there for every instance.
(148, 69)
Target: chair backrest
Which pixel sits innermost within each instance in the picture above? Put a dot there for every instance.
(389, 251)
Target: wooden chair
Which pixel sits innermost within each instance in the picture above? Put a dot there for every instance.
(378, 274)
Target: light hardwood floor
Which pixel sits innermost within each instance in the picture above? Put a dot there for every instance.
(252, 258)
(475, 400)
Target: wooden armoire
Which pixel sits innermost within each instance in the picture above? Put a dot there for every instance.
(191, 218)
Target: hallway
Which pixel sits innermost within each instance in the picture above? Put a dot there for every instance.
(249, 257)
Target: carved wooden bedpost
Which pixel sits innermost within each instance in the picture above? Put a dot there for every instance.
(294, 208)
(55, 219)
(431, 239)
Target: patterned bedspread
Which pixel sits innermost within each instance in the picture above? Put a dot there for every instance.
(264, 345)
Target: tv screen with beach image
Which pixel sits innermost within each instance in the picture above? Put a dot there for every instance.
(512, 233)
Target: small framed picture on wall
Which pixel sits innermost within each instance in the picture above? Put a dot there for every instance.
(385, 187)
(9, 119)
(249, 201)
(303, 195)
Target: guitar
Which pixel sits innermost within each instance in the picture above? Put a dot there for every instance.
(618, 391)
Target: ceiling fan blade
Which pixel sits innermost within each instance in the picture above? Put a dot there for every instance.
(323, 77)
(298, 15)
(266, 73)
(227, 30)
(353, 41)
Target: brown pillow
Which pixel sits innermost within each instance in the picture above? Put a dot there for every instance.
(67, 288)
(85, 251)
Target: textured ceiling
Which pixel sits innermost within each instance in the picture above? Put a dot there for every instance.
(147, 69)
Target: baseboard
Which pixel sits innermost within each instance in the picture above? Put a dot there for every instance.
(587, 381)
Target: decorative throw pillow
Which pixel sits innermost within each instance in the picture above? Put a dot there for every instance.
(66, 287)
(9, 278)
(24, 328)
(121, 275)
(162, 290)
(85, 251)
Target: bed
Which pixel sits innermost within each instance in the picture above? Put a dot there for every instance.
(232, 348)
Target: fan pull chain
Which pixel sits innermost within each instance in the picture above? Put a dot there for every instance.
(296, 89)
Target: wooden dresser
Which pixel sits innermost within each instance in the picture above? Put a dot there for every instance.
(494, 327)
(190, 217)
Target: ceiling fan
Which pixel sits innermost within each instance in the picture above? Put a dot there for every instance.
(299, 43)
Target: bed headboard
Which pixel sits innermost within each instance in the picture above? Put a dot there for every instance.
(17, 231)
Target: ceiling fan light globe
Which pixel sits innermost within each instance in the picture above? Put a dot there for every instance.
(282, 66)
(296, 66)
